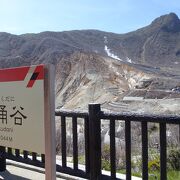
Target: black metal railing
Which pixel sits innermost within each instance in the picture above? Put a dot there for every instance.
(144, 119)
(92, 137)
(30, 158)
(75, 169)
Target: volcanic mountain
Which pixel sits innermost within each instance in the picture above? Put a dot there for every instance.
(97, 66)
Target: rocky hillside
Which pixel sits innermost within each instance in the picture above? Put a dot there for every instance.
(96, 66)
(157, 44)
(93, 78)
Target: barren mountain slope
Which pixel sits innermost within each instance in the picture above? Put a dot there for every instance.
(83, 78)
(154, 45)
(97, 66)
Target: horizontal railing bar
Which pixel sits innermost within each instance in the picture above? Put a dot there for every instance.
(39, 163)
(71, 113)
(26, 161)
(71, 171)
(106, 177)
(170, 119)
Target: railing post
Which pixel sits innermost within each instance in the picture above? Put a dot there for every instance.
(179, 135)
(95, 141)
(2, 159)
(163, 153)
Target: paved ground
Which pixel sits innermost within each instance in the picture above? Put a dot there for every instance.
(20, 171)
(13, 173)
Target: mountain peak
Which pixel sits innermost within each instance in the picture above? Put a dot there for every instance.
(169, 22)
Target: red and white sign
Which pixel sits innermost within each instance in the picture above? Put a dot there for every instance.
(22, 108)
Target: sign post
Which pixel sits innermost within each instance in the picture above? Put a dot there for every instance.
(50, 152)
(27, 119)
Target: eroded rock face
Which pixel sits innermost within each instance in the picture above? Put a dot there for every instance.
(83, 78)
(90, 78)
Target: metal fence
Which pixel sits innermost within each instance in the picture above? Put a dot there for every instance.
(92, 136)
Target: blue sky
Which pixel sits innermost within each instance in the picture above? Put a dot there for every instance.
(119, 16)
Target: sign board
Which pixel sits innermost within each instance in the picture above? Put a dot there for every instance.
(22, 108)
(27, 107)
